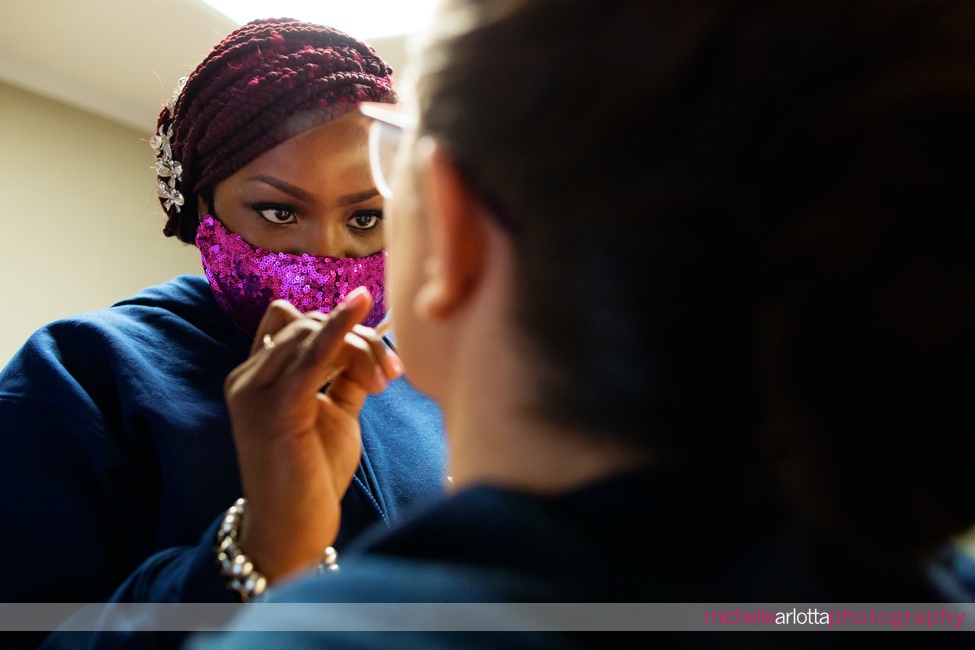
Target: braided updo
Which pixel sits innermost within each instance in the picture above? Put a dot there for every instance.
(266, 82)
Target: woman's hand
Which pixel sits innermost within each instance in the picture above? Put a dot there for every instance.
(297, 447)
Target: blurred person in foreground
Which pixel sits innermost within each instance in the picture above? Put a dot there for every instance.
(694, 285)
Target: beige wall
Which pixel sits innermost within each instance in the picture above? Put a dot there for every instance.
(81, 227)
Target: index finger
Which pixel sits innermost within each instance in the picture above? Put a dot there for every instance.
(278, 314)
(322, 350)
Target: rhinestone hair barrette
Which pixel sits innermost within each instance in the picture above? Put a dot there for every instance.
(169, 171)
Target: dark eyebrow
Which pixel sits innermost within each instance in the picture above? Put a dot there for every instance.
(287, 188)
(358, 197)
(302, 195)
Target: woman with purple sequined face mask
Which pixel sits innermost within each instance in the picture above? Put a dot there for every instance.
(263, 164)
(116, 419)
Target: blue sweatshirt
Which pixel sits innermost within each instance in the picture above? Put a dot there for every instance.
(116, 452)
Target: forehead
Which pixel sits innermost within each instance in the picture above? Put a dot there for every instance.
(332, 149)
(348, 132)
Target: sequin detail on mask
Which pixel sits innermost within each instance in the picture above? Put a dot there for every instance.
(246, 279)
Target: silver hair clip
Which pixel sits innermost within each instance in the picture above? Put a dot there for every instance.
(166, 167)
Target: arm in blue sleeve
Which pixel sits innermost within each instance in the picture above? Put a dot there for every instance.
(176, 575)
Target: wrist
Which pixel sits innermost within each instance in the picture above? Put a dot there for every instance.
(242, 576)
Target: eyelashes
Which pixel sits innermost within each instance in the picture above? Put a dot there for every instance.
(366, 220)
(279, 215)
(361, 221)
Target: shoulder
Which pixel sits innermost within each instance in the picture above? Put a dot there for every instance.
(185, 297)
(182, 302)
(181, 289)
(423, 604)
(172, 309)
(151, 330)
(188, 296)
(951, 573)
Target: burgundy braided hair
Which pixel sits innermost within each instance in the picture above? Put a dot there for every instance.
(267, 81)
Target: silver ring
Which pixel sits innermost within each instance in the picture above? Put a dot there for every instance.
(268, 342)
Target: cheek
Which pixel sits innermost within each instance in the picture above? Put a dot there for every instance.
(406, 248)
(401, 266)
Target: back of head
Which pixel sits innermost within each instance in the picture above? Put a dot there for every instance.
(267, 81)
(735, 217)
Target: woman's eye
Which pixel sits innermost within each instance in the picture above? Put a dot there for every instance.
(366, 219)
(276, 215)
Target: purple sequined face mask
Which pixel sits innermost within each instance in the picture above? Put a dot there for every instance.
(245, 279)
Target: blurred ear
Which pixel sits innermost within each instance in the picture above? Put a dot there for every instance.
(456, 231)
(202, 207)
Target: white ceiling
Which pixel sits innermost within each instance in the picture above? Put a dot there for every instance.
(117, 58)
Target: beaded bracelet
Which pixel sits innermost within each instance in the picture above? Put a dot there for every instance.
(241, 575)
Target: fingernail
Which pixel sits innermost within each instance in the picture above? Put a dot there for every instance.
(355, 297)
(351, 301)
(396, 364)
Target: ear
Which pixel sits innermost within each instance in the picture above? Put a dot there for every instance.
(202, 207)
(456, 232)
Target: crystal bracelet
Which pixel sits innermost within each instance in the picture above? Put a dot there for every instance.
(241, 575)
